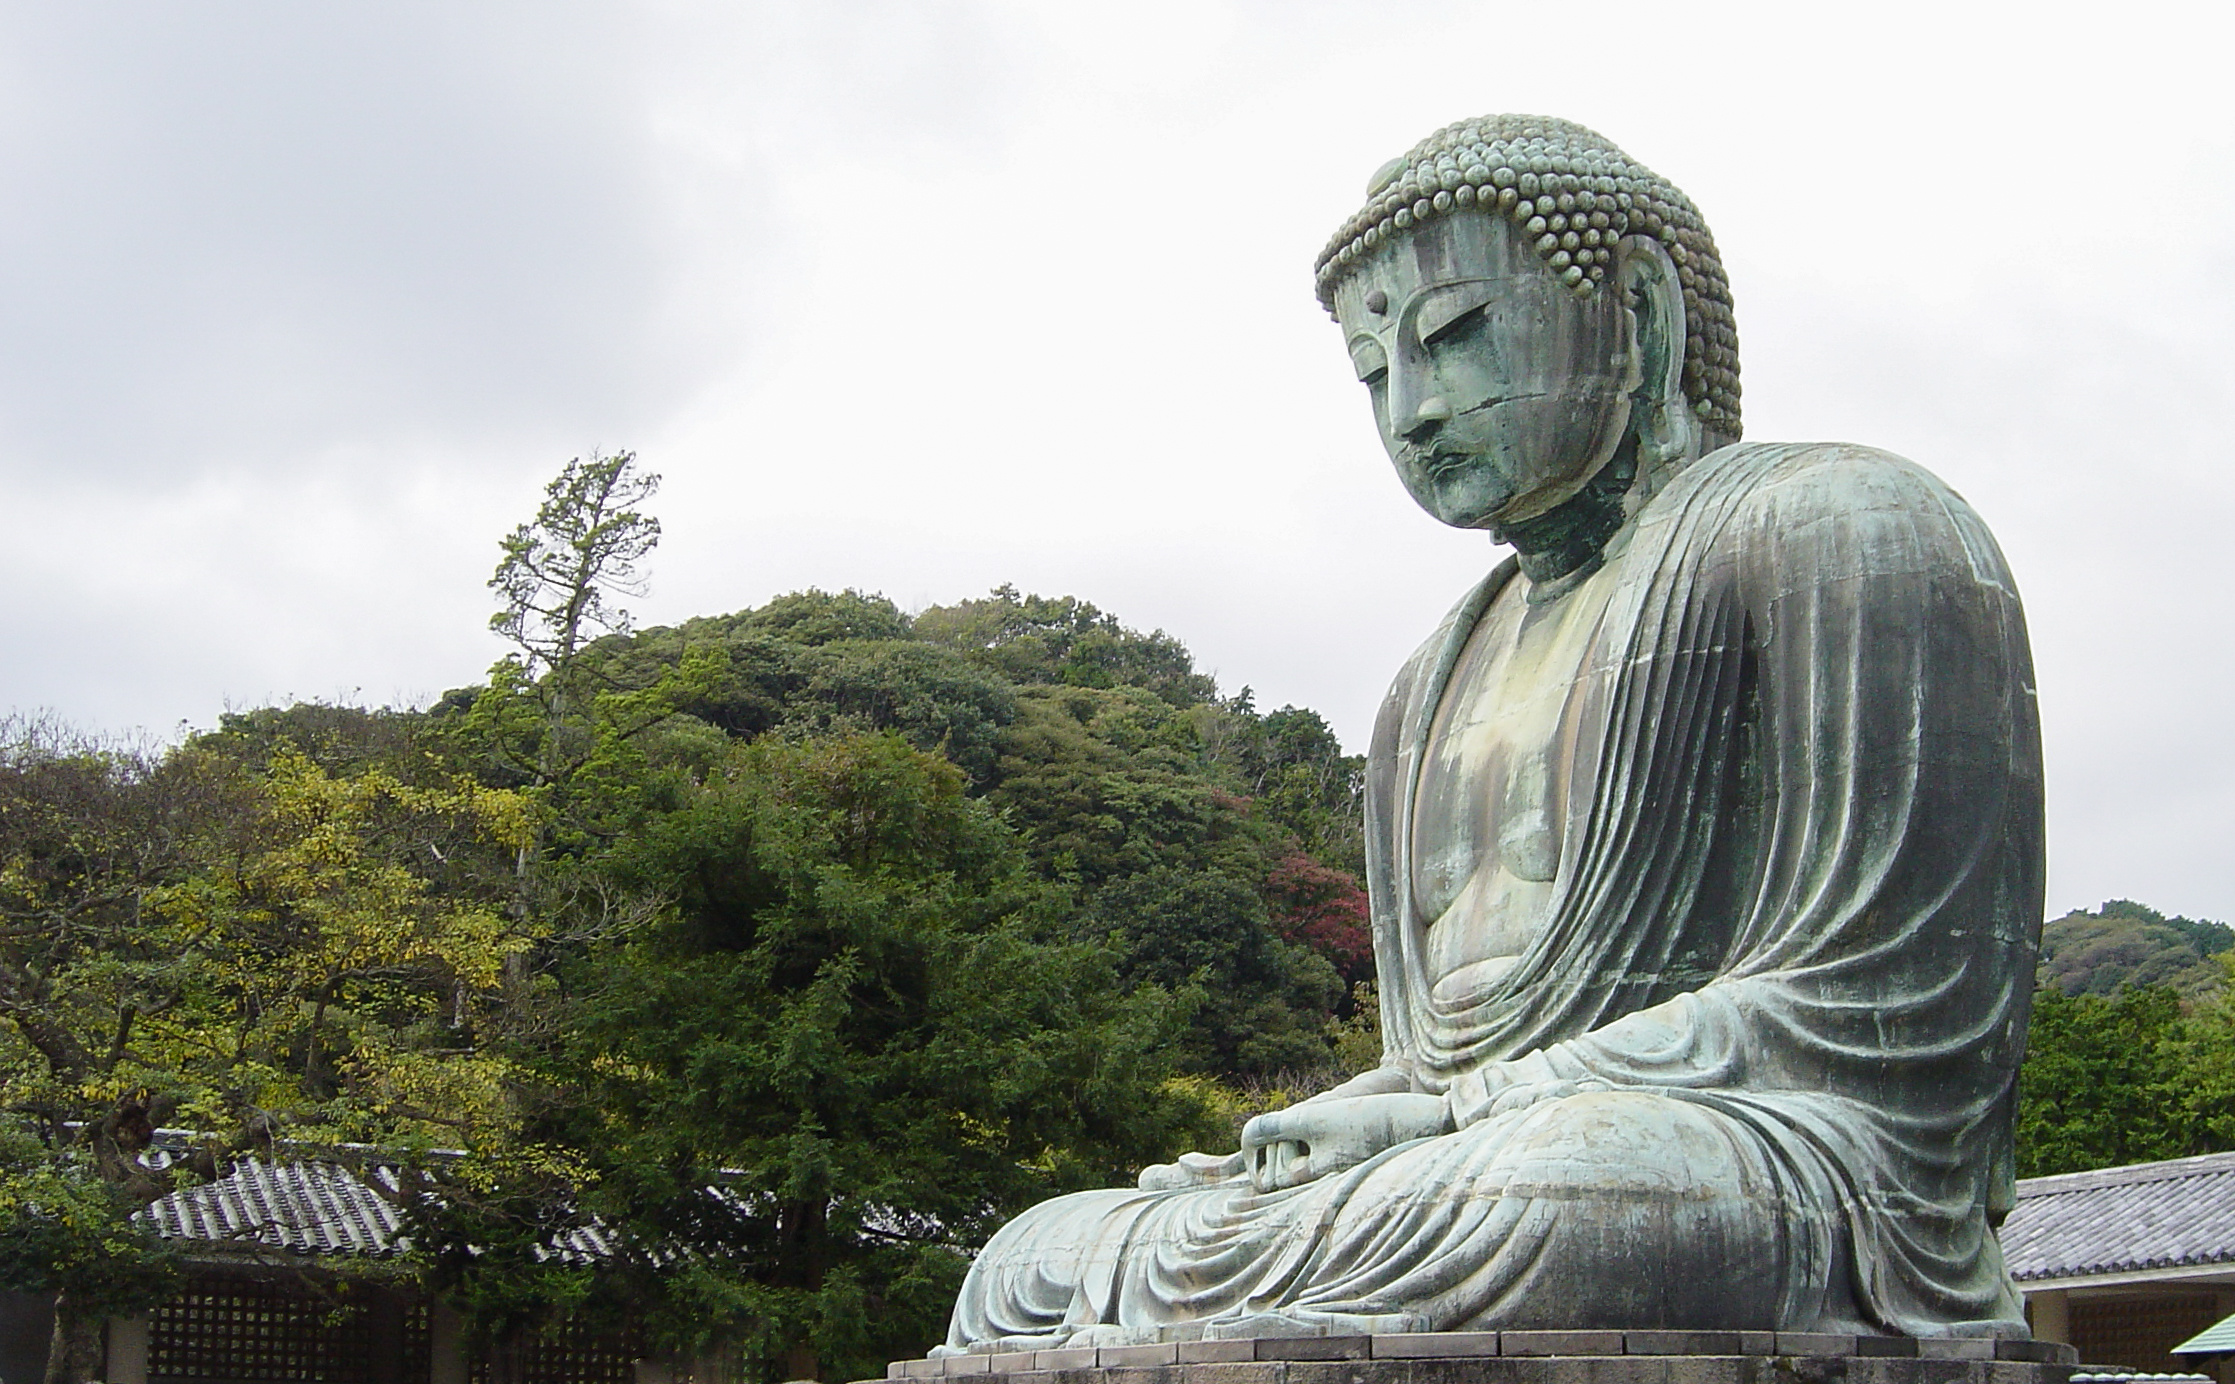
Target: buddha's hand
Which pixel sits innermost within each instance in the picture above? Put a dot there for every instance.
(1284, 1148)
(1192, 1170)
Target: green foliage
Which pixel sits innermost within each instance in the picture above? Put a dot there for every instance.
(597, 754)
(230, 937)
(856, 1022)
(1111, 758)
(1176, 868)
(65, 1230)
(2142, 1075)
(813, 618)
(816, 664)
(2103, 1082)
(2131, 1056)
(1294, 770)
(599, 758)
(244, 948)
(937, 700)
(2129, 944)
(341, 740)
(1038, 639)
(1104, 784)
(495, 1235)
(1260, 1002)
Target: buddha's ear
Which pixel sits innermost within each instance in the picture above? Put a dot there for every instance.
(1646, 280)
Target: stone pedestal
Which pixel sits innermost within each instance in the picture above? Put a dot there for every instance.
(1526, 1357)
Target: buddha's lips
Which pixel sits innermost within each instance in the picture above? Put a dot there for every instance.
(1440, 464)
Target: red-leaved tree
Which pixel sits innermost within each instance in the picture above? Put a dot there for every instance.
(1324, 909)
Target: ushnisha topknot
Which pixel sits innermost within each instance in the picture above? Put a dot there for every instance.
(1577, 195)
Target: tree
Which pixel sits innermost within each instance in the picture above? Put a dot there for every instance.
(1324, 909)
(550, 716)
(1294, 769)
(66, 1232)
(1260, 1004)
(2102, 1082)
(856, 1024)
(584, 545)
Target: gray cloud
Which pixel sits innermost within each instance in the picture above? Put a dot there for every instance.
(231, 233)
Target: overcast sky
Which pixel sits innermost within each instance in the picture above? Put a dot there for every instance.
(303, 303)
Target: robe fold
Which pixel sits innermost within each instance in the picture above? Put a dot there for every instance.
(1763, 1045)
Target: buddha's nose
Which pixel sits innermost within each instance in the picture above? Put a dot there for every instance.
(1428, 415)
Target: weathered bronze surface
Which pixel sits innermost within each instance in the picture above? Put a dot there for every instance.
(1704, 843)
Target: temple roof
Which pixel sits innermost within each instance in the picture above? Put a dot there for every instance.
(2174, 1214)
(301, 1207)
(309, 1208)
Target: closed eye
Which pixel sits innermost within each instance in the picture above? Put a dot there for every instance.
(1369, 359)
(1458, 325)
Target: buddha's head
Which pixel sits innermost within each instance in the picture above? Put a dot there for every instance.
(1537, 317)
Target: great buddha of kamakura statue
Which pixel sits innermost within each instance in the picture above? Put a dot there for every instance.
(1704, 840)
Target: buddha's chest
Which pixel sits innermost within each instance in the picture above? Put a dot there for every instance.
(1493, 796)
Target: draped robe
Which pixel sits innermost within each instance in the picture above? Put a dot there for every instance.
(1773, 1011)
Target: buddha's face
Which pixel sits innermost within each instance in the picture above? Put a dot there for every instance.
(1498, 392)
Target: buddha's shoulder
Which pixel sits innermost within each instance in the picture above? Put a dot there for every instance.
(1792, 481)
(1832, 509)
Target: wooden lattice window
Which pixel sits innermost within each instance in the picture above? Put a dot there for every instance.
(245, 1332)
(2138, 1332)
(418, 1342)
(573, 1352)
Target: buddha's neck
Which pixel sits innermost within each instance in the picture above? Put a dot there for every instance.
(1570, 539)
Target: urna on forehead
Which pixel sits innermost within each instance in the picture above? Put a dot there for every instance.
(1573, 195)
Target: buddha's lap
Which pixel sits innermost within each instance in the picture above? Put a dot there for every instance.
(1636, 1207)
(1672, 1191)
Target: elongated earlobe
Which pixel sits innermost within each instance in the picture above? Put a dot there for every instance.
(1659, 413)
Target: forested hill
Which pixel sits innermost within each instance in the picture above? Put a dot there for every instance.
(2126, 944)
(1217, 848)
(2131, 1054)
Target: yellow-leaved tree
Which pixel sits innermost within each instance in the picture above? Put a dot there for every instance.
(246, 947)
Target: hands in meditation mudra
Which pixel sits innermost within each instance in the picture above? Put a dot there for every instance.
(1704, 843)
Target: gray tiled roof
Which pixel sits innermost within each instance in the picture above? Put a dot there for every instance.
(302, 1207)
(2117, 1220)
(2216, 1339)
(306, 1207)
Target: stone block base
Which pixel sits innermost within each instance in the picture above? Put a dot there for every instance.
(1525, 1357)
